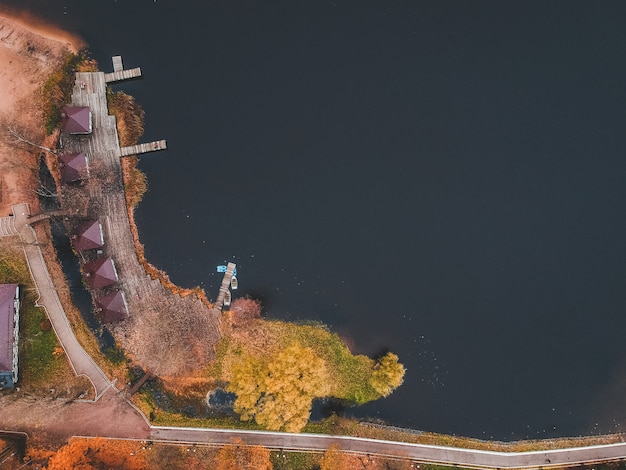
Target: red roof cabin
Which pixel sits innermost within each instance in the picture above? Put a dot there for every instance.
(76, 119)
(101, 273)
(88, 236)
(74, 167)
(113, 307)
(9, 333)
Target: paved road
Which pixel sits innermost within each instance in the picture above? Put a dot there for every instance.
(81, 362)
(417, 452)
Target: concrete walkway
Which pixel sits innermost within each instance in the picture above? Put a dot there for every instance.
(81, 362)
(421, 453)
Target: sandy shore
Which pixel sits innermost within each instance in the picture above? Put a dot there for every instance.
(29, 51)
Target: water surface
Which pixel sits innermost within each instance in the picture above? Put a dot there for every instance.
(444, 179)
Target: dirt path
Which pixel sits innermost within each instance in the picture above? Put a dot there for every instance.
(55, 421)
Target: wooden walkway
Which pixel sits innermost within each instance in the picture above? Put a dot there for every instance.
(228, 275)
(119, 74)
(147, 298)
(33, 219)
(143, 148)
(7, 227)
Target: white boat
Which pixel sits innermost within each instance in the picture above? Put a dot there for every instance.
(227, 298)
(234, 284)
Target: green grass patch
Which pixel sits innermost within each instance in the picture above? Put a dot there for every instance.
(13, 267)
(295, 460)
(38, 343)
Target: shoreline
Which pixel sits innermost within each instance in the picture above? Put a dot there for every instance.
(41, 27)
(162, 276)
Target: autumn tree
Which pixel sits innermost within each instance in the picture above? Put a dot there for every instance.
(88, 454)
(238, 456)
(278, 393)
(333, 459)
(388, 374)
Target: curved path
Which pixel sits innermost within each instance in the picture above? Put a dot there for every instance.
(417, 452)
(81, 362)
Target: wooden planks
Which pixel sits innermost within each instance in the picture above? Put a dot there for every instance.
(143, 148)
(228, 275)
(118, 66)
(122, 75)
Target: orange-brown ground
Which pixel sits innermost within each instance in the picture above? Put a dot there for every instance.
(29, 50)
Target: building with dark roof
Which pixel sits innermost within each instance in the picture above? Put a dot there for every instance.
(113, 307)
(88, 236)
(9, 333)
(74, 167)
(76, 119)
(100, 273)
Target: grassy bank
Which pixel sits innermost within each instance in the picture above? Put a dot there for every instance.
(42, 363)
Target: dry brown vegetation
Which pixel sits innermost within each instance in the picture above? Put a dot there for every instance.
(86, 454)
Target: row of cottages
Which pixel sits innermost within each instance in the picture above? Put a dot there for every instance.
(75, 120)
(9, 333)
(100, 273)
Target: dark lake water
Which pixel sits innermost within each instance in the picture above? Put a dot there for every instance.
(444, 179)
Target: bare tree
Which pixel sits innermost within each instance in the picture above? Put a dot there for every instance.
(44, 192)
(16, 137)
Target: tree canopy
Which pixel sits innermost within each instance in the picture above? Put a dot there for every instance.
(387, 375)
(240, 456)
(278, 393)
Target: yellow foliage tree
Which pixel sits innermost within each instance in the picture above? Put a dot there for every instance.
(333, 459)
(387, 375)
(239, 456)
(278, 394)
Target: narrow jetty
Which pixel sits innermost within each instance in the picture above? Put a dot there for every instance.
(228, 275)
(143, 148)
(119, 74)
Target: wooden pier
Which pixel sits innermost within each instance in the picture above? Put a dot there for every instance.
(143, 148)
(33, 219)
(228, 275)
(150, 304)
(119, 74)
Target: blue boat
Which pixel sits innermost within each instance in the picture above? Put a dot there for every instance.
(222, 269)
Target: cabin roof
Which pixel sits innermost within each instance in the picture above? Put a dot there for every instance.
(101, 273)
(114, 307)
(89, 236)
(77, 119)
(74, 167)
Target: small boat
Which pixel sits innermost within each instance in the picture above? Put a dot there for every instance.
(227, 298)
(234, 283)
(221, 269)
